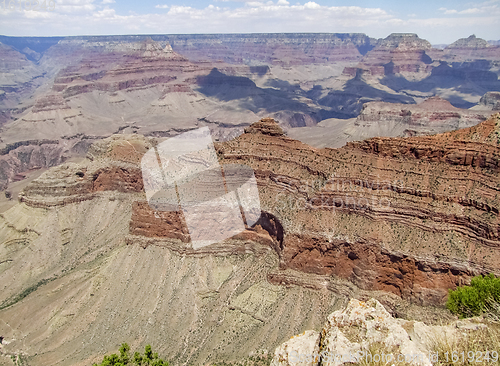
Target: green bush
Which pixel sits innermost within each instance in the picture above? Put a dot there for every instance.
(148, 359)
(482, 296)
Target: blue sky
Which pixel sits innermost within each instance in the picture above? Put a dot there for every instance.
(439, 21)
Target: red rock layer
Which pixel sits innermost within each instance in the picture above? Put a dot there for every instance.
(49, 102)
(433, 115)
(398, 53)
(414, 216)
(276, 49)
(163, 224)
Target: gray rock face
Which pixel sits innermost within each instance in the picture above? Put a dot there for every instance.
(491, 100)
(469, 42)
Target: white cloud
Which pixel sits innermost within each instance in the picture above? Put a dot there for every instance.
(104, 2)
(76, 17)
(176, 10)
(471, 11)
(488, 7)
(311, 5)
(254, 4)
(105, 13)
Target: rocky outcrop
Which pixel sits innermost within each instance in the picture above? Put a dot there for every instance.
(471, 42)
(434, 115)
(302, 350)
(112, 165)
(491, 100)
(266, 126)
(399, 53)
(364, 332)
(471, 48)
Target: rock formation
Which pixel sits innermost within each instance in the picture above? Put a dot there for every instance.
(20, 78)
(402, 220)
(364, 332)
(491, 100)
(165, 84)
(399, 53)
(274, 49)
(374, 200)
(434, 115)
(471, 48)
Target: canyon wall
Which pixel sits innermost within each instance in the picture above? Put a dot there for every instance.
(399, 219)
(413, 216)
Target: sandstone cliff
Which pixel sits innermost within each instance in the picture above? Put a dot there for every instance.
(471, 48)
(434, 115)
(412, 216)
(399, 53)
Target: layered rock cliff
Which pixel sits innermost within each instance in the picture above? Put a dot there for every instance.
(471, 48)
(399, 53)
(434, 115)
(401, 219)
(19, 79)
(412, 216)
(274, 49)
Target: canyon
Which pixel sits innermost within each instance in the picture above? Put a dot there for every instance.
(401, 220)
(76, 90)
(376, 162)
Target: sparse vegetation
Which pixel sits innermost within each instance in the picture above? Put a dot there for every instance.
(25, 293)
(19, 360)
(259, 359)
(148, 359)
(472, 347)
(481, 297)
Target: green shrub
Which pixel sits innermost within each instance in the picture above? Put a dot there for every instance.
(149, 358)
(482, 296)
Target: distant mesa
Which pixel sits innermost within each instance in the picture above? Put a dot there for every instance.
(395, 54)
(404, 41)
(469, 42)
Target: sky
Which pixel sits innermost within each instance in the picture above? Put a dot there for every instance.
(438, 21)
